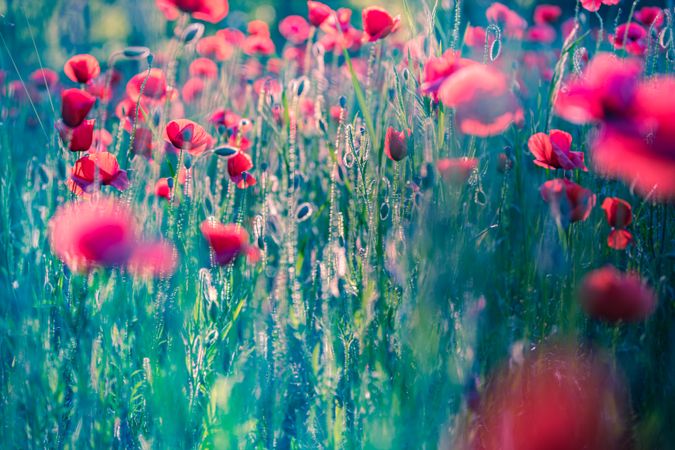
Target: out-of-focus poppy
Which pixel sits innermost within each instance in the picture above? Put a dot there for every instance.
(82, 68)
(568, 201)
(227, 242)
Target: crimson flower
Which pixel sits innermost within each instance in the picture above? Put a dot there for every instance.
(396, 144)
(162, 188)
(82, 68)
(619, 215)
(650, 15)
(552, 151)
(318, 13)
(568, 201)
(238, 167)
(378, 23)
(80, 138)
(635, 38)
(438, 69)
(227, 242)
(594, 5)
(75, 105)
(613, 296)
(546, 14)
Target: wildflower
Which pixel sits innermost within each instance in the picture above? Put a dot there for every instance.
(474, 37)
(594, 5)
(396, 144)
(514, 25)
(232, 36)
(152, 259)
(609, 295)
(295, 29)
(193, 89)
(154, 89)
(619, 215)
(203, 68)
(318, 13)
(546, 14)
(554, 398)
(437, 70)
(378, 23)
(237, 167)
(187, 135)
(227, 242)
(212, 11)
(484, 104)
(636, 38)
(143, 142)
(91, 234)
(258, 45)
(568, 201)
(650, 15)
(75, 105)
(162, 188)
(101, 167)
(80, 138)
(44, 79)
(101, 139)
(456, 170)
(214, 47)
(82, 68)
(552, 151)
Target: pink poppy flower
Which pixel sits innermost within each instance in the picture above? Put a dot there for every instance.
(650, 15)
(258, 45)
(544, 34)
(238, 167)
(474, 37)
(215, 47)
(188, 135)
(612, 296)
(44, 79)
(552, 151)
(82, 68)
(75, 105)
(636, 38)
(193, 89)
(232, 36)
(482, 98)
(162, 188)
(101, 140)
(295, 29)
(153, 259)
(88, 234)
(619, 215)
(101, 167)
(437, 70)
(227, 242)
(378, 23)
(203, 68)
(568, 201)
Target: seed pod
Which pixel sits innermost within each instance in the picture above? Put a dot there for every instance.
(226, 151)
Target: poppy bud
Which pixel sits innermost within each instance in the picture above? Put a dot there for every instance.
(395, 144)
(75, 105)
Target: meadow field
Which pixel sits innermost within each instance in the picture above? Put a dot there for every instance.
(294, 225)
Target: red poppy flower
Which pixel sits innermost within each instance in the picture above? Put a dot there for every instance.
(437, 70)
(212, 11)
(569, 202)
(546, 14)
(544, 34)
(88, 234)
(641, 150)
(556, 399)
(514, 25)
(378, 23)
(127, 112)
(80, 138)
(619, 215)
(225, 117)
(155, 89)
(474, 36)
(612, 296)
(75, 105)
(188, 135)
(44, 79)
(456, 170)
(204, 68)
(484, 103)
(101, 167)
(227, 242)
(143, 142)
(650, 15)
(82, 68)
(258, 45)
(238, 164)
(552, 151)
(396, 144)
(193, 89)
(258, 28)
(594, 5)
(162, 188)
(153, 259)
(295, 29)
(215, 47)
(605, 91)
(232, 36)
(318, 13)
(636, 38)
